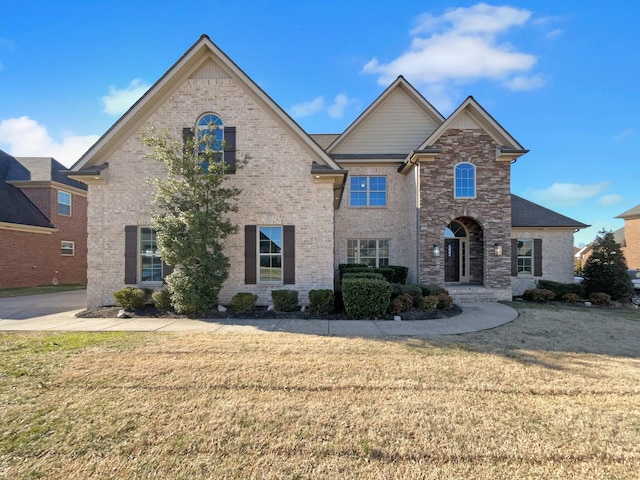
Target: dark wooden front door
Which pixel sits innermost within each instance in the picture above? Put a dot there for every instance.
(452, 260)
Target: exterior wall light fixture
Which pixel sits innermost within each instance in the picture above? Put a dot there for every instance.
(497, 248)
(436, 250)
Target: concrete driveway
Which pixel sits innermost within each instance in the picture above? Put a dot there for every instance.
(30, 306)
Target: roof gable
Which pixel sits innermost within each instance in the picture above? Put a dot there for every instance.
(629, 214)
(203, 60)
(471, 115)
(398, 120)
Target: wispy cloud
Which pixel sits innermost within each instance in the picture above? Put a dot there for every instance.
(608, 200)
(568, 194)
(26, 137)
(119, 101)
(463, 45)
(318, 105)
(629, 132)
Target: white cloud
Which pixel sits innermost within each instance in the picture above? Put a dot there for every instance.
(462, 46)
(28, 138)
(339, 104)
(608, 200)
(555, 33)
(119, 101)
(308, 108)
(569, 194)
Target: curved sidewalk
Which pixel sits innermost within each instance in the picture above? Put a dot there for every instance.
(474, 318)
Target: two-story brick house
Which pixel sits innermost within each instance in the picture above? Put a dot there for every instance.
(402, 185)
(43, 223)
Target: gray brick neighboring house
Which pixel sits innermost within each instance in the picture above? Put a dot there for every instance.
(401, 185)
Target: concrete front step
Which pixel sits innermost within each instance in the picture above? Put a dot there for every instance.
(466, 294)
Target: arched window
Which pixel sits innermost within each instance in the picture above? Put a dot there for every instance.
(465, 180)
(210, 131)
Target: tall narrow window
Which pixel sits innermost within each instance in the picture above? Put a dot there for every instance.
(210, 133)
(150, 261)
(368, 191)
(465, 180)
(270, 252)
(373, 252)
(525, 257)
(64, 203)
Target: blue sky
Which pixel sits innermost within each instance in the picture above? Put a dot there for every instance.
(561, 77)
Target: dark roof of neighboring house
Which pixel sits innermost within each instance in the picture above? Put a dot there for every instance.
(16, 208)
(53, 173)
(11, 169)
(528, 214)
(634, 212)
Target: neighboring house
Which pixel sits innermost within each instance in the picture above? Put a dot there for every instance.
(401, 185)
(630, 236)
(43, 223)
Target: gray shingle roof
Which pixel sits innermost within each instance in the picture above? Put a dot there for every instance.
(528, 214)
(634, 212)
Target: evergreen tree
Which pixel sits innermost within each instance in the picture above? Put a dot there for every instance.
(605, 270)
(190, 217)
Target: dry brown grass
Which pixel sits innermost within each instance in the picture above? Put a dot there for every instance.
(527, 400)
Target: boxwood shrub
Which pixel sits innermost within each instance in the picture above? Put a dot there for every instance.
(400, 273)
(367, 274)
(162, 299)
(321, 301)
(387, 272)
(561, 289)
(243, 302)
(130, 298)
(285, 300)
(366, 298)
(539, 295)
(430, 289)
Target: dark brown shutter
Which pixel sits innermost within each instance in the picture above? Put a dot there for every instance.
(130, 254)
(230, 149)
(289, 254)
(537, 257)
(514, 257)
(250, 252)
(187, 140)
(166, 270)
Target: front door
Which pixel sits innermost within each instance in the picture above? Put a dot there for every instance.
(451, 260)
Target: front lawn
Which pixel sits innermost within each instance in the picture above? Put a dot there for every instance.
(554, 394)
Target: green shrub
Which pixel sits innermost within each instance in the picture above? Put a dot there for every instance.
(366, 297)
(402, 303)
(130, 298)
(387, 273)
(600, 298)
(539, 295)
(285, 300)
(162, 299)
(561, 289)
(243, 302)
(416, 293)
(368, 274)
(429, 303)
(353, 267)
(430, 289)
(321, 301)
(400, 273)
(193, 288)
(570, 298)
(444, 301)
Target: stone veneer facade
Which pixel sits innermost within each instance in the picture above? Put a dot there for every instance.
(277, 189)
(487, 217)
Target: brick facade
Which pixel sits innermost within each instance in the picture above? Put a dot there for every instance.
(30, 259)
(632, 241)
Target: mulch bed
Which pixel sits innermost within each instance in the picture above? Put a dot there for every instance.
(259, 313)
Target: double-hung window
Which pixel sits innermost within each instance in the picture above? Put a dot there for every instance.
(64, 203)
(465, 180)
(368, 191)
(67, 248)
(525, 257)
(150, 261)
(270, 255)
(373, 252)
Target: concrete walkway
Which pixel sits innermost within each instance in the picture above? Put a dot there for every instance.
(475, 317)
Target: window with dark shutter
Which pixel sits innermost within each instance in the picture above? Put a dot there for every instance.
(250, 252)
(514, 257)
(289, 261)
(130, 254)
(230, 149)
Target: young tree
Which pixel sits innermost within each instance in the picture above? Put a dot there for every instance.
(605, 270)
(190, 217)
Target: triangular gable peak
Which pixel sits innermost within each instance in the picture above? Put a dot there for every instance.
(470, 115)
(203, 60)
(398, 120)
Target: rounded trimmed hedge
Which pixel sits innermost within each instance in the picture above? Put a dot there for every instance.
(366, 298)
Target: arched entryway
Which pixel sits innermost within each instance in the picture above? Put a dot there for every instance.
(463, 252)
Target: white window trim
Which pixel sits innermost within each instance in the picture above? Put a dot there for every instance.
(518, 257)
(58, 203)
(259, 280)
(377, 240)
(455, 178)
(368, 192)
(73, 248)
